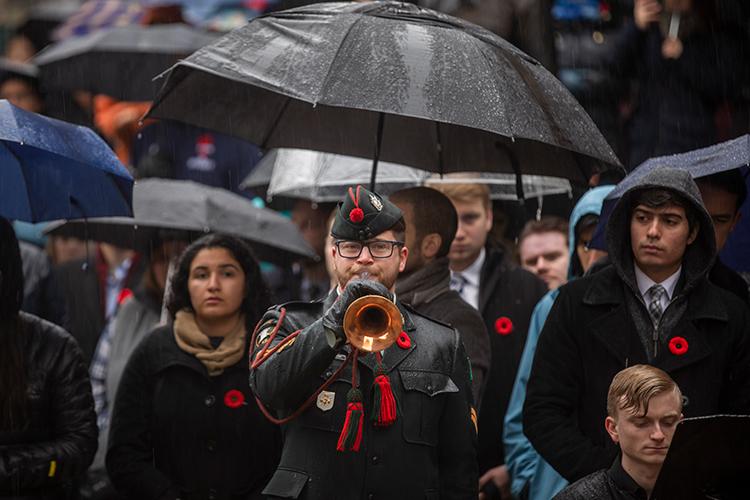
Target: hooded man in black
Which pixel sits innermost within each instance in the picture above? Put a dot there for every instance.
(655, 306)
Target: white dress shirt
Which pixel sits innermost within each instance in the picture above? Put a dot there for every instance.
(645, 283)
(470, 275)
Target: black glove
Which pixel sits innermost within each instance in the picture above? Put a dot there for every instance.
(333, 320)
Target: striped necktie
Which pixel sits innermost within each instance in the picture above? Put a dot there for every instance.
(656, 293)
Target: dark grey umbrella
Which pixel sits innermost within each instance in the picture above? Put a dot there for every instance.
(324, 177)
(196, 209)
(387, 80)
(702, 162)
(120, 62)
(11, 69)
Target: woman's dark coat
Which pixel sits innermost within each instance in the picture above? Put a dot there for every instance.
(46, 458)
(173, 435)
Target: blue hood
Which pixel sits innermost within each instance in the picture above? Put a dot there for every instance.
(590, 203)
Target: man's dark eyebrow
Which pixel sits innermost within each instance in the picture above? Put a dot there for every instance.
(672, 214)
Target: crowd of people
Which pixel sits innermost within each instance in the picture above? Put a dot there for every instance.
(527, 364)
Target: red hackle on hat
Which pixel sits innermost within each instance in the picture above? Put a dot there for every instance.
(356, 214)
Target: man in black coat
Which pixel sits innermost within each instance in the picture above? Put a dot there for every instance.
(431, 223)
(723, 194)
(505, 296)
(398, 423)
(654, 305)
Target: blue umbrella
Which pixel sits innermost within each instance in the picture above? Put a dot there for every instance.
(51, 169)
(700, 163)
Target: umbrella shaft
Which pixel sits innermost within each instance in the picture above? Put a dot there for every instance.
(376, 156)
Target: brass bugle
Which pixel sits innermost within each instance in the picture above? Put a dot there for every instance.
(372, 323)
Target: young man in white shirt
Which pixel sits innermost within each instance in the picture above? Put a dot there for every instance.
(505, 295)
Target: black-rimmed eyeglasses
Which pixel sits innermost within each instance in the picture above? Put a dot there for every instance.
(379, 249)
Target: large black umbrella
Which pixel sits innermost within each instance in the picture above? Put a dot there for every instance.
(197, 209)
(387, 80)
(120, 62)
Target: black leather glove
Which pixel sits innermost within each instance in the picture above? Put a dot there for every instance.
(333, 320)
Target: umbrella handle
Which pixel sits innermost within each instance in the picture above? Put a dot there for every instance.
(516, 167)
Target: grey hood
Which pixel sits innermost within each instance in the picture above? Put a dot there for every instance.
(699, 255)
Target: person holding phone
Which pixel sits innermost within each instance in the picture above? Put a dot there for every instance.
(685, 64)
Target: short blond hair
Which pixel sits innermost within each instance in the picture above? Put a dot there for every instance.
(633, 388)
(465, 192)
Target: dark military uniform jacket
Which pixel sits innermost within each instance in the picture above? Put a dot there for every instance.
(428, 453)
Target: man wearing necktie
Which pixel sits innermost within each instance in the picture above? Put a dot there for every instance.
(653, 305)
(505, 294)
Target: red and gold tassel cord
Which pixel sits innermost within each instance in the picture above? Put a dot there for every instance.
(384, 404)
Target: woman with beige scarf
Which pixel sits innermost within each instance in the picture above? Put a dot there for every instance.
(185, 424)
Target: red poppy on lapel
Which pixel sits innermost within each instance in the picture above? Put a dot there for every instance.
(234, 398)
(503, 325)
(678, 346)
(124, 295)
(403, 341)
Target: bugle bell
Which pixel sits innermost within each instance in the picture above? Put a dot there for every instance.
(372, 323)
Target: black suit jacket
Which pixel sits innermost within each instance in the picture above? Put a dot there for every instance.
(505, 291)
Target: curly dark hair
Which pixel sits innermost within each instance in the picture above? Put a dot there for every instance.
(256, 299)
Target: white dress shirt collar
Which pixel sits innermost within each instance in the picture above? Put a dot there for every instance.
(645, 283)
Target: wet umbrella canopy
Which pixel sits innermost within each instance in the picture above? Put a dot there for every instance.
(390, 80)
(120, 62)
(196, 209)
(50, 169)
(702, 162)
(324, 177)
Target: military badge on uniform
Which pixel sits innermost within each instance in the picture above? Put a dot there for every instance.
(325, 400)
(376, 203)
(263, 336)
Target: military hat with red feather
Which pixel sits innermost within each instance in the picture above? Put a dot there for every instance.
(363, 215)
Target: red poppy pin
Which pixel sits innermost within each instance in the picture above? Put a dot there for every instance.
(678, 346)
(234, 398)
(403, 341)
(125, 294)
(503, 325)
